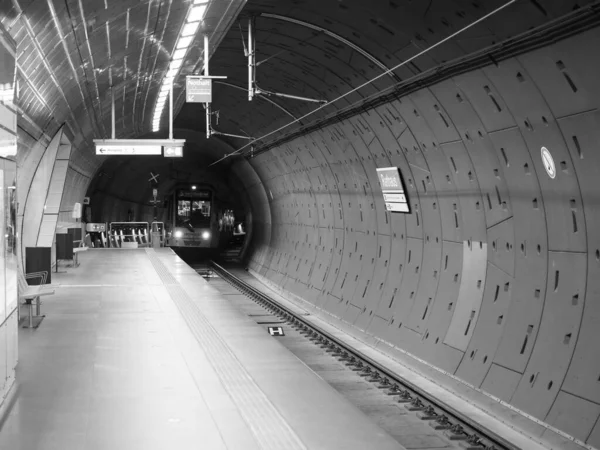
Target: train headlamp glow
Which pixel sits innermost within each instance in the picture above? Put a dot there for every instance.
(205, 235)
(178, 234)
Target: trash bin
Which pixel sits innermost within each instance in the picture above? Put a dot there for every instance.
(156, 239)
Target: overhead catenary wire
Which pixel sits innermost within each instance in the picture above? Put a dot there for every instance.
(381, 75)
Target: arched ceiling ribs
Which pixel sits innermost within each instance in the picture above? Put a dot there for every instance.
(33, 37)
(63, 41)
(139, 127)
(353, 46)
(89, 49)
(225, 83)
(151, 82)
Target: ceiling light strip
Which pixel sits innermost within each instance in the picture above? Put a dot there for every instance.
(186, 37)
(151, 85)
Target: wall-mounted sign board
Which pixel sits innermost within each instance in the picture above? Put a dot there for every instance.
(392, 187)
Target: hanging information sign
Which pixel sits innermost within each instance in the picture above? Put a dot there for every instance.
(173, 151)
(198, 89)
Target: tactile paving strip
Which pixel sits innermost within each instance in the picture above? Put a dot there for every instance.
(268, 426)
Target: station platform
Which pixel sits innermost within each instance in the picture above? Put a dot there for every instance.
(137, 351)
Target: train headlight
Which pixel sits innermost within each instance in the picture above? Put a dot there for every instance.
(178, 234)
(205, 235)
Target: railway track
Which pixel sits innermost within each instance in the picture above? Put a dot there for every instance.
(463, 431)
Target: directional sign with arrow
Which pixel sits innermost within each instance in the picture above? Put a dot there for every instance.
(128, 149)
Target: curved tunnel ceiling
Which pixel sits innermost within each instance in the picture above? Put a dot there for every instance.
(322, 50)
(493, 278)
(71, 52)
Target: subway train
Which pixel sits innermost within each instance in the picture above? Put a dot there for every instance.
(192, 217)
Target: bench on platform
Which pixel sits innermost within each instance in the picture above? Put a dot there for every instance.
(77, 250)
(30, 293)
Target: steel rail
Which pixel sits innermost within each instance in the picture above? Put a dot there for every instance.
(431, 409)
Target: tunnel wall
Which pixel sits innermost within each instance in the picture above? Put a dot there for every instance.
(495, 276)
(259, 241)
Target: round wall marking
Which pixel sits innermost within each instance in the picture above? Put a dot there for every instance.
(548, 163)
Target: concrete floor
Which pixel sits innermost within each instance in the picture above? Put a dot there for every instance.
(138, 352)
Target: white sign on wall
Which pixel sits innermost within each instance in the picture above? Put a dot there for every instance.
(392, 188)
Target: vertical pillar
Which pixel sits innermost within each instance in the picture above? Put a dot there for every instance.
(250, 61)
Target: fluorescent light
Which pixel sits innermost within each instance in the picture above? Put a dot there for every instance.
(176, 64)
(190, 29)
(179, 54)
(197, 13)
(185, 42)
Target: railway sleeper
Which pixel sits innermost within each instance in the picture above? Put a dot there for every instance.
(394, 390)
(456, 433)
(415, 405)
(427, 414)
(473, 442)
(405, 397)
(375, 377)
(441, 423)
(353, 364)
(385, 384)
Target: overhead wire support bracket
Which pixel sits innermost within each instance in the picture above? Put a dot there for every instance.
(210, 131)
(368, 82)
(253, 89)
(259, 91)
(218, 133)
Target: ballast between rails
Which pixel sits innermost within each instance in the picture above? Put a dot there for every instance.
(443, 416)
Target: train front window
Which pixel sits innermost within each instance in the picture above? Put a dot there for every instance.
(183, 212)
(196, 212)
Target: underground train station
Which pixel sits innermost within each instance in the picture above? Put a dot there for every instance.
(284, 224)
